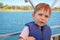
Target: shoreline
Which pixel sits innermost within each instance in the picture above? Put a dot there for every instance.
(16, 10)
(55, 11)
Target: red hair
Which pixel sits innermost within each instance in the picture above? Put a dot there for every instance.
(44, 6)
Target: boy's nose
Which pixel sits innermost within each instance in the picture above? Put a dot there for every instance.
(43, 17)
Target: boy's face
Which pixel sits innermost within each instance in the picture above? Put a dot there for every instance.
(41, 17)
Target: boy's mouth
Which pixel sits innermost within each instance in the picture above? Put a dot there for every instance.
(41, 22)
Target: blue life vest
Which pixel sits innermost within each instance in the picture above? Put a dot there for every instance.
(36, 32)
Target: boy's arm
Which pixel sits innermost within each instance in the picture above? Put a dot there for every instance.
(24, 34)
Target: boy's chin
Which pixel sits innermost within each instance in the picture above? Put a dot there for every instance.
(42, 25)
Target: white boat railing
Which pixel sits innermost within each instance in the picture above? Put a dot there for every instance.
(10, 34)
(18, 33)
(55, 35)
(55, 27)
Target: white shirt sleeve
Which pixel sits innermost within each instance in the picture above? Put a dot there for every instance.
(51, 38)
(25, 32)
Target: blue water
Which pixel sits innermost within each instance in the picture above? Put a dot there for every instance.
(14, 22)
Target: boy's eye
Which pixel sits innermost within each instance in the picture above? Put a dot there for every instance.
(40, 14)
(46, 16)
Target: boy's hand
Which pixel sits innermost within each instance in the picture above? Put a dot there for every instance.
(30, 38)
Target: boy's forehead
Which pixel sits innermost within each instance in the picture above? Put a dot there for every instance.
(43, 11)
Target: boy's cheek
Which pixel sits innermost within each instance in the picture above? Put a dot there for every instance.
(47, 20)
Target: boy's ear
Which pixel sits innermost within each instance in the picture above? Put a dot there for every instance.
(33, 15)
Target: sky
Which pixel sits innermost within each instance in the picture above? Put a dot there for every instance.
(35, 2)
